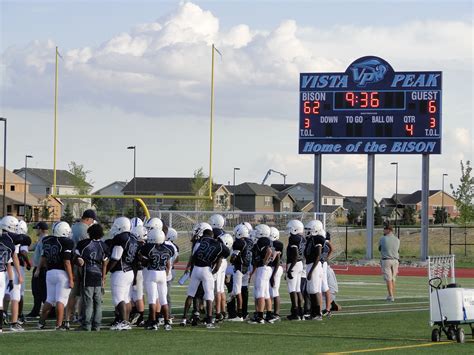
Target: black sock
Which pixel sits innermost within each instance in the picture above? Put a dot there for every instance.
(260, 315)
(239, 313)
(1, 319)
(318, 310)
(300, 311)
(269, 314)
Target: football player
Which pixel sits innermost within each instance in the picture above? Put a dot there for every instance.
(138, 308)
(261, 257)
(7, 251)
(241, 259)
(294, 265)
(206, 260)
(314, 268)
(122, 257)
(157, 258)
(171, 239)
(9, 225)
(56, 257)
(22, 229)
(330, 295)
(227, 240)
(277, 271)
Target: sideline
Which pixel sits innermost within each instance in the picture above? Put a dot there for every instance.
(391, 348)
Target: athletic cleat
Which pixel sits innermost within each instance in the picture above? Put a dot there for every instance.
(271, 319)
(293, 317)
(256, 320)
(161, 321)
(21, 320)
(184, 322)
(390, 299)
(210, 326)
(327, 314)
(16, 327)
(66, 325)
(61, 328)
(317, 318)
(167, 327)
(277, 318)
(134, 318)
(114, 326)
(219, 318)
(41, 325)
(152, 326)
(236, 319)
(5, 318)
(124, 325)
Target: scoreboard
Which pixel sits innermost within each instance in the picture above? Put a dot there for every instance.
(370, 109)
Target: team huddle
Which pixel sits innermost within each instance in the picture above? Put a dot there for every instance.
(140, 257)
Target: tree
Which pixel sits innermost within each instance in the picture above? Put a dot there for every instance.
(352, 216)
(67, 215)
(440, 215)
(200, 186)
(45, 211)
(408, 216)
(79, 179)
(378, 220)
(464, 195)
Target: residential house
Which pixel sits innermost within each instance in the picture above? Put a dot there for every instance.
(176, 187)
(303, 194)
(38, 207)
(435, 200)
(358, 206)
(111, 206)
(41, 183)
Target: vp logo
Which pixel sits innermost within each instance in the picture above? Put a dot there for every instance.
(368, 71)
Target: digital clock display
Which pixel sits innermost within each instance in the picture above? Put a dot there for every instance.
(370, 109)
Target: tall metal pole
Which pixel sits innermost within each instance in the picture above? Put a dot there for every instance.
(396, 192)
(317, 183)
(370, 206)
(211, 128)
(134, 177)
(4, 165)
(233, 202)
(55, 124)
(24, 192)
(425, 186)
(442, 200)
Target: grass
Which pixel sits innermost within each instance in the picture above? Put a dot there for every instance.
(366, 322)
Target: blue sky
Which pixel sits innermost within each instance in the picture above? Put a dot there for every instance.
(137, 73)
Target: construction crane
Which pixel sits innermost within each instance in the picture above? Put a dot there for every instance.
(269, 172)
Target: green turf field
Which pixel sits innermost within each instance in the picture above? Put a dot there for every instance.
(366, 324)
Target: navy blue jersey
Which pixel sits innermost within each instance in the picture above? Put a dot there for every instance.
(297, 242)
(278, 246)
(314, 245)
(260, 251)
(218, 232)
(7, 249)
(157, 255)
(94, 253)
(129, 245)
(244, 259)
(56, 250)
(25, 242)
(17, 239)
(208, 251)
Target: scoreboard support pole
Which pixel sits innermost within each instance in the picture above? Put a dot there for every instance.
(317, 182)
(370, 206)
(425, 187)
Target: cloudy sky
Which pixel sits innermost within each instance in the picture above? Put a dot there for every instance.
(138, 73)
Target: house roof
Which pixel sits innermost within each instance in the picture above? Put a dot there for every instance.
(18, 198)
(325, 191)
(63, 177)
(10, 177)
(415, 197)
(162, 185)
(121, 185)
(281, 187)
(254, 189)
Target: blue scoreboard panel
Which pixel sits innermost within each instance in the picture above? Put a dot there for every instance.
(370, 109)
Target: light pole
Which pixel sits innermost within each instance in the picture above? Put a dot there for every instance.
(134, 176)
(442, 199)
(233, 204)
(396, 192)
(4, 164)
(24, 192)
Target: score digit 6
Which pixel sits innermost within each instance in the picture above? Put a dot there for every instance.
(307, 109)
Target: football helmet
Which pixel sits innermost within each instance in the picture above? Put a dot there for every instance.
(199, 229)
(135, 221)
(62, 229)
(274, 233)
(313, 227)
(154, 223)
(241, 231)
(172, 235)
(140, 232)
(22, 227)
(295, 227)
(249, 226)
(9, 223)
(121, 224)
(262, 231)
(156, 236)
(217, 221)
(227, 240)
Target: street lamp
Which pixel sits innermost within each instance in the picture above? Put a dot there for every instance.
(134, 176)
(442, 199)
(396, 191)
(233, 204)
(24, 192)
(4, 164)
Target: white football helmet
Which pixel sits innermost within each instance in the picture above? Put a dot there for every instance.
(241, 231)
(9, 224)
(274, 234)
(62, 229)
(249, 226)
(313, 227)
(140, 232)
(227, 240)
(121, 224)
(22, 227)
(295, 227)
(135, 221)
(217, 221)
(172, 235)
(262, 231)
(154, 223)
(199, 229)
(156, 236)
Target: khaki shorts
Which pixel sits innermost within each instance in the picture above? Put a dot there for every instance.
(389, 269)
